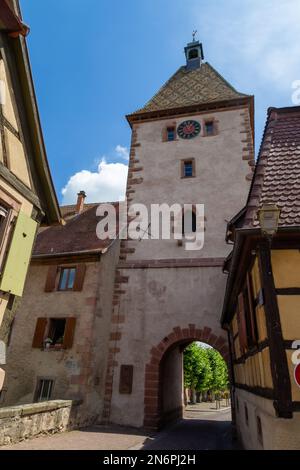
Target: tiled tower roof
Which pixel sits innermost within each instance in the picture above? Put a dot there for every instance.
(191, 87)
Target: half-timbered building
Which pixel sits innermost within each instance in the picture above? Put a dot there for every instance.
(262, 302)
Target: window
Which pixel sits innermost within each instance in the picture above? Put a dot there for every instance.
(187, 168)
(44, 390)
(189, 223)
(57, 332)
(246, 415)
(57, 329)
(193, 54)
(209, 128)
(171, 134)
(67, 279)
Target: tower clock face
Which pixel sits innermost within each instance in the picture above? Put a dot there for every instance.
(189, 129)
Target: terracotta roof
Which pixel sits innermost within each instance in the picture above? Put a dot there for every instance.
(76, 236)
(277, 174)
(191, 87)
(70, 210)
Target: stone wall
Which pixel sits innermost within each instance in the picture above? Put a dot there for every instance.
(78, 372)
(27, 421)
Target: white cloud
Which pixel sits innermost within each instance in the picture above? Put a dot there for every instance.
(259, 38)
(122, 152)
(107, 184)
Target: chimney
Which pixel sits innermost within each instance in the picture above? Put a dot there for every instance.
(80, 202)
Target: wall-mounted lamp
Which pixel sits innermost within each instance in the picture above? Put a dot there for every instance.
(268, 217)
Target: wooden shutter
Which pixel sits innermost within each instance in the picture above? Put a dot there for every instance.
(18, 255)
(51, 278)
(69, 333)
(252, 313)
(165, 134)
(242, 327)
(39, 333)
(79, 277)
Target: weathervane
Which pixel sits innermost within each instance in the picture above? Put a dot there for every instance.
(194, 34)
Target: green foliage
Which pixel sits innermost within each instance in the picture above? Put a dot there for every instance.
(220, 380)
(204, 369)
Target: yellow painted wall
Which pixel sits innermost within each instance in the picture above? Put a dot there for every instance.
(234, 325)
(261, 323)
(286, 271)
(286, 268)
(16, 153)
(16, 158)
(239, 373)
(237, 348)
(256, 371)
(256, 278)
(267, 375)
(289, 309)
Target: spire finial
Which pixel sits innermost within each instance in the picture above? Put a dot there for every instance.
(194, 34)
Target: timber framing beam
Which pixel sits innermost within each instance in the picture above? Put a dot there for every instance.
(278, 359)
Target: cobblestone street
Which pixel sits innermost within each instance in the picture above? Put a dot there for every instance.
(203, 427)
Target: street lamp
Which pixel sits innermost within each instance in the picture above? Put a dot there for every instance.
(268, 217)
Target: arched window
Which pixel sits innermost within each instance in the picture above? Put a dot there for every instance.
(194, 54)
(189, 223)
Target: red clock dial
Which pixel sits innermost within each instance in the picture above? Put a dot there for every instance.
(189, 129)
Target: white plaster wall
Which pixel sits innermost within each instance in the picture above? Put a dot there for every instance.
(219, 184)
(278, 433)
(156, 301)
(172, 373)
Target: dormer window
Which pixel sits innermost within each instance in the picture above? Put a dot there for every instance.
(193, 54)
(171, 133)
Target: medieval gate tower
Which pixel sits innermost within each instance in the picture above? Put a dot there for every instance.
(192, 143)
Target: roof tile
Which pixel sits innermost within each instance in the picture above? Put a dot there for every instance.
(191, 87)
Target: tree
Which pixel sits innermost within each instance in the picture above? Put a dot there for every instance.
(220, 379)
(204, 369)
(206, 376)
(193, 366)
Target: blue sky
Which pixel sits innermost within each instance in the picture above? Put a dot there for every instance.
(94, 61)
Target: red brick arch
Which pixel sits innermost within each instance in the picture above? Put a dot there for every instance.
(175, 338)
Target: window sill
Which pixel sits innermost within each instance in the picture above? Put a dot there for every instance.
(53, 348)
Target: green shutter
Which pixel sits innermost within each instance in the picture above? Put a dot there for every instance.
(19, 253)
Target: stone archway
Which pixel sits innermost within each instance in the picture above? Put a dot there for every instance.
(179, 336)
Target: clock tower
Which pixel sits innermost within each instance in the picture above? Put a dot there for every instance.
(192, 143)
